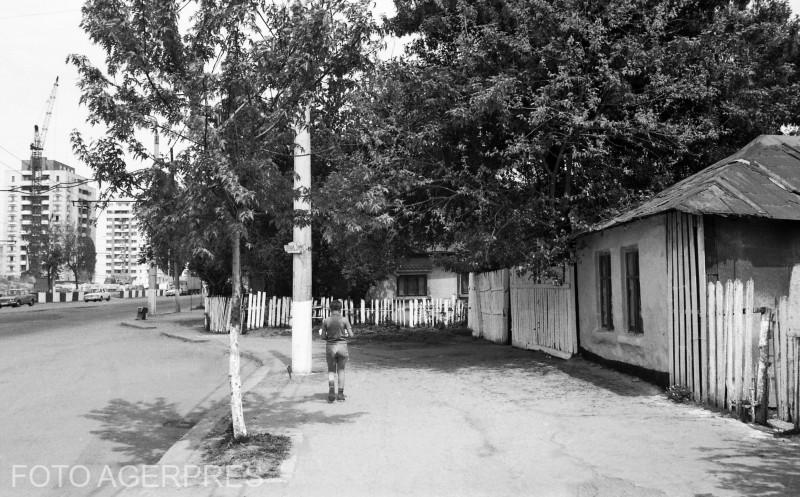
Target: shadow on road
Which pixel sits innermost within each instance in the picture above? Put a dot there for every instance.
(143, 431)
(768, 468)
(290, 413)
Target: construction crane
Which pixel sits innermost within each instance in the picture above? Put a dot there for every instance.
(37, 165)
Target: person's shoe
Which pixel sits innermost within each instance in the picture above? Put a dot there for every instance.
(331, 396)
(340, 397)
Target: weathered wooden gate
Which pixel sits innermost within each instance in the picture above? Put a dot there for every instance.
(543, 316)
(488, 305)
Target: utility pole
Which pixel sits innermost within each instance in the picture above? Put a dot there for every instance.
(152, 270)
(301, 250)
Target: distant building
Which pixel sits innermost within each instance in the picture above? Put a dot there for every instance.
(119, 243)
(67, 200)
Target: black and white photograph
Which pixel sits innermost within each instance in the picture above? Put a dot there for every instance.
(401, 248)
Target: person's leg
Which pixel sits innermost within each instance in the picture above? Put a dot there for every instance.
(341, 361)
(330, 357)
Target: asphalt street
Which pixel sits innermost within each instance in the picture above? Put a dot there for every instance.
(82, 392)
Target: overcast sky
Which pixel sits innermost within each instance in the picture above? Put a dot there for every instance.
(35, 38)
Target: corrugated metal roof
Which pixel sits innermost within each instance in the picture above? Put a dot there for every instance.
(762, 179)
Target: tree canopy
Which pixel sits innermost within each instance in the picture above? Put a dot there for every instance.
(510, 125)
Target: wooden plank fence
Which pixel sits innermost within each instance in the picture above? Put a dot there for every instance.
(686, 302)
(261, 310)
(489, 305)
(543, 316)
(733, 352)
(785, 357)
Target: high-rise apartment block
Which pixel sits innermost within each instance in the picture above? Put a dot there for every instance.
(67, 199)
(119, 245)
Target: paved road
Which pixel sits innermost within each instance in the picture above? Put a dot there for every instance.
(78, 389)
(48, 317)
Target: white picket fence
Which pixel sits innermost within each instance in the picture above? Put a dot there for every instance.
(260, 310)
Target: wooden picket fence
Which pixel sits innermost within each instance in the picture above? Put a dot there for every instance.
(410, 312)
(260, 310)
(218, 314)
(732, 357)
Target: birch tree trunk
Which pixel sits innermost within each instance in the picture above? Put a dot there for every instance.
(237, 413)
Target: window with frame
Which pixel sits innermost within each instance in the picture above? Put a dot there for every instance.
(604, 284)
(463, 284)
(412, 285)
(633, 297)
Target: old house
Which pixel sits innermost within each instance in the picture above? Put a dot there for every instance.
(419, 277)
(642, 276)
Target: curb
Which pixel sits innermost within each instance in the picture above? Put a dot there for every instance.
(137, 326)
(186, 339)
(182, 451)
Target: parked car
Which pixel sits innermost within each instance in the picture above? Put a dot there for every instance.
(172, 292)
(96, 295)
(16, 298)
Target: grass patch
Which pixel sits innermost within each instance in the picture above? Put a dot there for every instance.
(395, 333)
(258, 455)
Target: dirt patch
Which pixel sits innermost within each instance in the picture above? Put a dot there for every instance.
(259, 455)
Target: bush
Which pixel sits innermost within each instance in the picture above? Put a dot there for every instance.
(679, 394)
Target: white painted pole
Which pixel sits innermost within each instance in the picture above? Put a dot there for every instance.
(301, 264)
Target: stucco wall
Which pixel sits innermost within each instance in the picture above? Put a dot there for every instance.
(441, 285)
(761, 249)
(649, 349)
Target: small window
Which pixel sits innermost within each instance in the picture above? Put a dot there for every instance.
(412, 285)
(633, 298)
(463, 284)
(604, 283)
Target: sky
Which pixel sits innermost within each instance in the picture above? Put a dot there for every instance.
(35, 38)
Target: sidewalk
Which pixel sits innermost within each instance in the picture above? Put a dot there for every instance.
(468, 418)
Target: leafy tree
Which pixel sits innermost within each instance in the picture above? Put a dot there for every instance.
(52, 254)
(512, 124)
(227, 89)
(78, 252)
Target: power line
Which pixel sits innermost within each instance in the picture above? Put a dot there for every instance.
(11, 153)
(34, 14)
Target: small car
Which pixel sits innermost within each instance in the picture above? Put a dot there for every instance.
(172, 292)
(97, 295)
(17, 298)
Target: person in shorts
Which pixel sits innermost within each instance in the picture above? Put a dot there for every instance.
(336, 330)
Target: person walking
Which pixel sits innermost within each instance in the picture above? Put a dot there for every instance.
(336, 330)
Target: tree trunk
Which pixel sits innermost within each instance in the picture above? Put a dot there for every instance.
(176, 281)
(237, 413)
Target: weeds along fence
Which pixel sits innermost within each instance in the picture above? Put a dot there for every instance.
(260, 310)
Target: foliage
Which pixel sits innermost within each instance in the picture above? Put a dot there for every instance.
(510, 125)
(78, 252)
(226, 92)
(51, 252)
(679, 394)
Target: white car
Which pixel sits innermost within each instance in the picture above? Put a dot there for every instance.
(97, 295)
